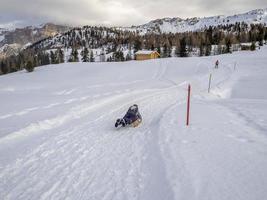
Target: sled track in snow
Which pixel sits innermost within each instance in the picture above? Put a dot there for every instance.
(79, 153)
(78, 112)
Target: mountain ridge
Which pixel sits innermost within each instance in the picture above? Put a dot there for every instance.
(50, 35)
(177, 24)
(11, 41)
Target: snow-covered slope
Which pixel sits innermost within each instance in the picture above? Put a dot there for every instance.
(58, 141)
(174, 25)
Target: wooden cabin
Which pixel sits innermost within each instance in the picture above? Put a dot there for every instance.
(245, 46)
(145, 55)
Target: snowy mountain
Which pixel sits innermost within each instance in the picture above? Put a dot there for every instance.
(17, 38)
(101, 37)
(49, 36)
(58, 140)
(174, 25)
(86, 36)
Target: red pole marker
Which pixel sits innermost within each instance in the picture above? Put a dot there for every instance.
(188, 105)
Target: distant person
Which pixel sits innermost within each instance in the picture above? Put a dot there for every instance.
(132, 117)
(217, 64)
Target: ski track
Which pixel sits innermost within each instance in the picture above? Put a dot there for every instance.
(180, 178)
(76, 157)
(76, 112)
(69, 101)
(75, 100)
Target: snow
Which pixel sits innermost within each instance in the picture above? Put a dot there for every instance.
(178, 25)
(96, 54)
(145, 52)
(27, 45)
(9, 26)
(34, 32)
(58, 141)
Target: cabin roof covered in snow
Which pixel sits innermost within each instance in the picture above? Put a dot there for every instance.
(147, 52)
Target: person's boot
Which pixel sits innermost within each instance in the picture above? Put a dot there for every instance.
(118, 122)
(123, 122)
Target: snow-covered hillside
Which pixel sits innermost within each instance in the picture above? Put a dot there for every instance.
(58, 141)
(176, 25)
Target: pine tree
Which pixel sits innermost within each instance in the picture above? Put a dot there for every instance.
(118, 55)
(253, 46)
(46, 60)
(201, 50)
(20, 61)
(85, 55)
(260, 42)
(219, 49)
(208, 50)
(29, 66)
(265, 34)
(260, 37)
(137, 45)
(59, 56)
(92, 59)
(4, 68)
(75, 55)
(152, 47)
(169, 50)
(177, 47)
(228, 45)
(165, 51)
(12, 64)
(109, 59)
(201, 47)
(159, 50)
(53, 58)
(128, 56)
(35, 61)
(183, 50)
(103, 55)
(71, 59)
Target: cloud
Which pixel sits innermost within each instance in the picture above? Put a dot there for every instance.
(115, 12)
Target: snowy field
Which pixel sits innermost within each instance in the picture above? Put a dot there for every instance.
(58, 141)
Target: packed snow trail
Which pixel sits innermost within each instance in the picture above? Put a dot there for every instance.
(59, 140)
(215, 157)
(101, 150)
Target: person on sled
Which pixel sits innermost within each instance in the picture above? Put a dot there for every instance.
(132, 117)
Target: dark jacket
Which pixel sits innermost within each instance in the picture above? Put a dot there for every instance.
(132, 114)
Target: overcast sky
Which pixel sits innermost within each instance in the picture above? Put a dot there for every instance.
(115, 12)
